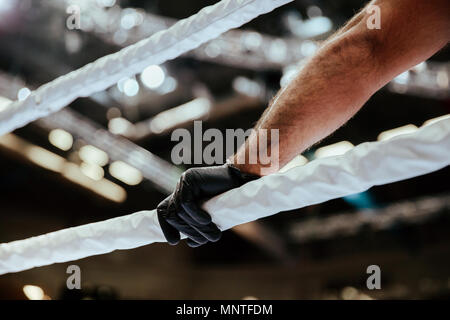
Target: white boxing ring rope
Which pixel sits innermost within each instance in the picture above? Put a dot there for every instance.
(105, 72)
(366, 165)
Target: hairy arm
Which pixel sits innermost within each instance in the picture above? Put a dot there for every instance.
(345, 72)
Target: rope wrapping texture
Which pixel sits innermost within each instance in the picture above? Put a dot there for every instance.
(366, 165)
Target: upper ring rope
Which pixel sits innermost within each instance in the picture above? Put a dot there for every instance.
(183, 36)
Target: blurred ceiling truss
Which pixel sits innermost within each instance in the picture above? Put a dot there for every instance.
(347, 224)
(241, 48)
(427, 79)
(160, 172)
(238, 48)
(217, 110)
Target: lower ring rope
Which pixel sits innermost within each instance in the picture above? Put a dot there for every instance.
(368, 164)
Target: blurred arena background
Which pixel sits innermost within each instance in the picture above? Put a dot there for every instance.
(109, 155)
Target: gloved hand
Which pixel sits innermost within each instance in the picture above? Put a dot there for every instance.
(182, 212)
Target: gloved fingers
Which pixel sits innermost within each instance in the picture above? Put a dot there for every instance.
(191, 243)
(178, 210)
(209, 231)
(187, 230)
(196, 212)
(171, 234)
(188, 202)
(210, 181)
(191, 213)
(214, 233)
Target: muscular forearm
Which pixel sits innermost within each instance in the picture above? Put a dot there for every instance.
(345, 72)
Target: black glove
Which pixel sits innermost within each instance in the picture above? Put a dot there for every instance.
(182, 212)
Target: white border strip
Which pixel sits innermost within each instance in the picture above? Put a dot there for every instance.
(366, 165)
(185, 35)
